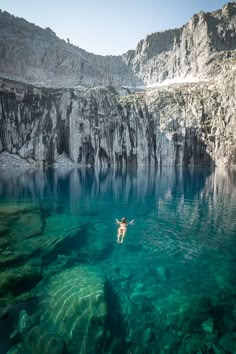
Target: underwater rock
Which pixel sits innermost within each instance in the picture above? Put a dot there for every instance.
(24, 322)
(229, 323)
(61, 225)
(125, 272)
(18, 280)
(141, 340)
(48, 244)
(6, 253)
(136, 336)
(76, 309)
(61, 259)
(140, 298)
(29, 224)
(148, 334)
(17, 254)
(4, 230)
(228, 343)
(208, 326)
(41, 340)
(66, 239)
(194, 312)
(5, 310)
(140, 287)
(13, 209)
(161, 270)
(94, 252)
(16, 350)
(21, 224)
(97, 246)
(194, 343)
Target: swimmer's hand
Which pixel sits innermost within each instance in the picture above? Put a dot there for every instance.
(117, 221)
(131, 222)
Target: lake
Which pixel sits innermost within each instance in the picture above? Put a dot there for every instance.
(68, 286)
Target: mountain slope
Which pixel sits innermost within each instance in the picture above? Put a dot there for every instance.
(38, 56)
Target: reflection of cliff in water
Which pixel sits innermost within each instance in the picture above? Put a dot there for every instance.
(199, 208)
(127, 184)
(131, 186)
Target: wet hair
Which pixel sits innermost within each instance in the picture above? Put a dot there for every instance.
(123, 220)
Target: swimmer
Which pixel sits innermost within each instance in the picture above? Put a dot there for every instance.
(122, 229)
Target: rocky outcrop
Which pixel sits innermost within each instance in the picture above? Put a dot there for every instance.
(76, 309)
(190, 51)
(188, 124)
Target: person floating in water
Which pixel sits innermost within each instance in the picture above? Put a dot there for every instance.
(122, 229)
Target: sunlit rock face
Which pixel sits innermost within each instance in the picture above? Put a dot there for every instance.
(190, 51)
(184, 114)
(175, 125)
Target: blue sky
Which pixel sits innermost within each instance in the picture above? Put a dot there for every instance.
(108, 26)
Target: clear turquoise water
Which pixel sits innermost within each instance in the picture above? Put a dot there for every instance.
(172, 282)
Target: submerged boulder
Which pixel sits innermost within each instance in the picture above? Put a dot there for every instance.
(41, 340)
(24, 322)
(19, 280)
(16, 350)
(21, 225)
(75, 308)
(99, 246)
(12, 209)
(28, 224)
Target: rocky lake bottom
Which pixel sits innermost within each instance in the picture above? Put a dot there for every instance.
(67, 286)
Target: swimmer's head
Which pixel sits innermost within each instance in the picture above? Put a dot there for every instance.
(123, 220)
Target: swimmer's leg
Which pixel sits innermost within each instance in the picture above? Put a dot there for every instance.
(119, 235)
(123, 236)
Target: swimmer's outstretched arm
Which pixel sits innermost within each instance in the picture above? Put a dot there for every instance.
(130, 222)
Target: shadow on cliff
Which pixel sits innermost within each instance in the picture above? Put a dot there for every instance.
(189, 150)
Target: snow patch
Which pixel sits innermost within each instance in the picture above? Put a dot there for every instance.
(167, 82)
(175, 80)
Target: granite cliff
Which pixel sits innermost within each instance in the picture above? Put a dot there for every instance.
(193, 51)
(169, 102)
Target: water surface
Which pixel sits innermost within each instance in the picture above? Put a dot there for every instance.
(168, 288)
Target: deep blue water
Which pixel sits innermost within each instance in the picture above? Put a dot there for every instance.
(170, 286)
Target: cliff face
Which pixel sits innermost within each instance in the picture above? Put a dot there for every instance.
(182, 125)
(190, 51)
(179, 124)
